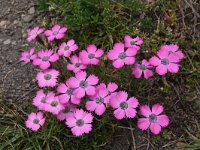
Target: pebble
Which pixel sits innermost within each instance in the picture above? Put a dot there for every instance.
(6, 42)
(31, 10)
(4, 23)
(27, 18)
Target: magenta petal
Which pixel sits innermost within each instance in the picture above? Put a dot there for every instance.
(129, 60)
(161, 70)
(157, 109)
(145, 110)
(143, 123)
(90, 90)
(130, 112)
(118, 63)
(163, 120)
(155, 61)
(173, 68)
(100, 109)
(155, 128)
(92, 80)
(119, 113)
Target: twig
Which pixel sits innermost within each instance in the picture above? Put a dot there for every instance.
(133, 138)
(148, 140)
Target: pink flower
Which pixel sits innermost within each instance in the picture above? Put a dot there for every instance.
(111, 87)
(123, 107)
(91, 55)
(34, 33)
(67, 94)
(28, 56)
(165, 62)
(40, 100)
(153, 118)
(133, 42)
(47, 78)
(80, 122)
(144, 68)
(120, 57)
(44, 58)
(76, 64)
(68, 111)
(98, 102)
(67, 48)
(57, 32)
(172, 48)
(53, 104)
(35, 121)
(83, 85)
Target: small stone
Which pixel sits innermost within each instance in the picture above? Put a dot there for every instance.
(6, 42)
(4, 23)
(13, 42)
(31, 10)
(27, 18)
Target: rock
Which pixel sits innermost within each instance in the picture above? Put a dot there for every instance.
(31, 10)
(4, 23)
(13, 42)
(27, 18)
(6, 42)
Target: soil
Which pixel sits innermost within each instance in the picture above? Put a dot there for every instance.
(16, 79)
(17, 83)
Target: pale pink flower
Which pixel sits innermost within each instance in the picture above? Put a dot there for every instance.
(47, 78)
(34, 33)
(153, 119)
(80, 122)
(111, 87)
(28, 56)
(68, 111)
(40, 100)
(99, 101)
(57, 32)
(91, 55)
(44, 58)
(53, 104)
(67, 48)
(133, 42)
(143, 68)
(76, 64)
(172, 48)
(67, 94)
(165, 62)
(119, 56)
(35, 121)
(83, 84)
(123, 107)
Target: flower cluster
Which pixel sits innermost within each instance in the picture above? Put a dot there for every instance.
(65, 99)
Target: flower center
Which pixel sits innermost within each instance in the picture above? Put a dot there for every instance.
(123, 105)
(28, 56)
(43, 100)
(55, 32)
(70, 91)
(77, 65)
(45, 58)
(142, 67)
(66, 48)
(80, 122)
(99, 100)
(54, 103)
(36, 121)
(83, 84)
(91, 56)
(47, 76)
(66, 110)
(165, 61)
(122, 55)
(34, 33)
(152, 118)
(132, 42)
